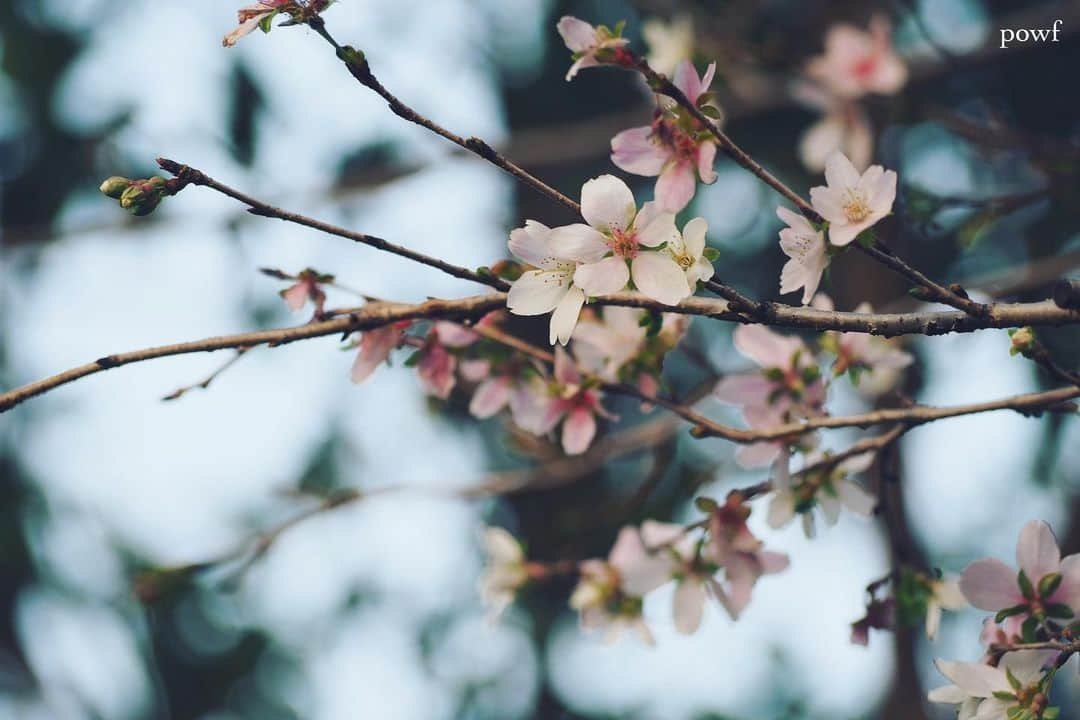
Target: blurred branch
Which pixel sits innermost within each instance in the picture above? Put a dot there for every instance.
(204, 384)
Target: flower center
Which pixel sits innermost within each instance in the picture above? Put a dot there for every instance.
(865, 67)
(623, 243)
(667, 133)
(856, 209)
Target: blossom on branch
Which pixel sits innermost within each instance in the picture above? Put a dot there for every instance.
(669, 42)
(548, 289)
(675, 147)
(1047, 586)
(828, 489)
(861, 353)
(851, 202)
(308, 286)
(808, 251)
(984, 692)
(694, 572)
(590, 45)
(858, 62)
(743, 556)
(620, 244)
(788, 387)
(844, 127)
(262, 13)
(572, 401)
(375, 348)
(505, 571)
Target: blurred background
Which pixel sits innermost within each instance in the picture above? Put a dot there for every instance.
(116, 507)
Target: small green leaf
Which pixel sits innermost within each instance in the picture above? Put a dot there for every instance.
(1029, 630)
(711, 254)
(1060, 611)
(1026, 587)
(267, 23)
(1051, 713)
(1009, 612)
(1014, 682)
(414, 359)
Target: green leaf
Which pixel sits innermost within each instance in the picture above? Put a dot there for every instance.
(1009, 612)
(1051, 713)
(712, 111)
(1060, 611)
(1029, 630)
(1026, 587)
(414, 359)
(1014, 682)
(711, 254)
(267, 23)
(1049, 584)
(866, 238)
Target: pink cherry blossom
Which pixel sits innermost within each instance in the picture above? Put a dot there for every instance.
(852, 202)
(743, 557)
(307, 287)
(590, 45)
(830, 490)
(608, 595)
(249, 17)
(667, 149)
(787, 388)
(375, 348)
(573, 403)
(845, 128)
(695, 574)
(991, 585)
(436, 367)
(861, 352)
(880, 615)
(548, 289)
(616, 244)
(808, 252)
(858, 62)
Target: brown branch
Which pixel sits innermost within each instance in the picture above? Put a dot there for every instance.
(205, 383)
(359, 68)
(186, 175)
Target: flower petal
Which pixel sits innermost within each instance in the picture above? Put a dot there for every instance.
(661, 229)
(675, 187)
(578, 35)
(1037, 551)
(635, 152)
(537, 292)
(839, 172)
(658, 276)
(990, 584)
(607, 204)
(578, 431)
(532, 244)
(578, 242)
(490, 397)
(610, 275)
(688, 606)
(565, 316)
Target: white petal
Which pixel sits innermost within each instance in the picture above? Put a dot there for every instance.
(578, 242)
(661, 229)
(688, 605)
(856, 499)
(693, 236)
(578, 35)
(610, 275)
(839, 172)
(565, 316)
(660, 277)
(537, 292)
(532, 244)
(607, 203)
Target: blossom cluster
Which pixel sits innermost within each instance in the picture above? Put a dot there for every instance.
(718, 558)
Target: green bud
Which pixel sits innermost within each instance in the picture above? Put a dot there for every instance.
(143, 196)
(1023, 341)
(115, 186)
(1049, 584)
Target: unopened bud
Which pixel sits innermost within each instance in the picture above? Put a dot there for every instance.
(509, 270)
(143, 196)
(1023, 341)
(115, 186)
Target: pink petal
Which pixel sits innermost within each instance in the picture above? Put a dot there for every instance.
(706, 157)
(687, 80)
(1037, 551)
(578, 432)
(490, 397)
(635, 152)
(375, 348)
(688, 606)
(675, 188)
(765, 347)
(745, 389)
(578, 35)
(990, 584)
(566, 371)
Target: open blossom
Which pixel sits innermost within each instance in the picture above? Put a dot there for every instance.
(695, 574)
(668, 42)
(984, 692)
(743, 556)
(808, 252)
(505, 571)
(618, 243)
(588, 43)
(667, 148)
(548, 289)
(852, 202)
(786, 388)
(436, 365)
(375, 348)
(573, 403)
(617, 347)
(860, 352)
(845, 128)
(688, 250)
(264, 11)
(828, 489)
(308, 286)
(1047, 585)
(858, 62)
(608, 595)
(944, 595)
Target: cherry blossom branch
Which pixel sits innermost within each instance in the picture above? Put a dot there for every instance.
(186, 175)
(205, 383)
(1029, 403)
(930, 290)
(378, 314)
(359, 68)
(371, 316)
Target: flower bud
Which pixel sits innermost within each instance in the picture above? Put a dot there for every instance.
(115, 186)
(143, 196)
(1023, 341)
